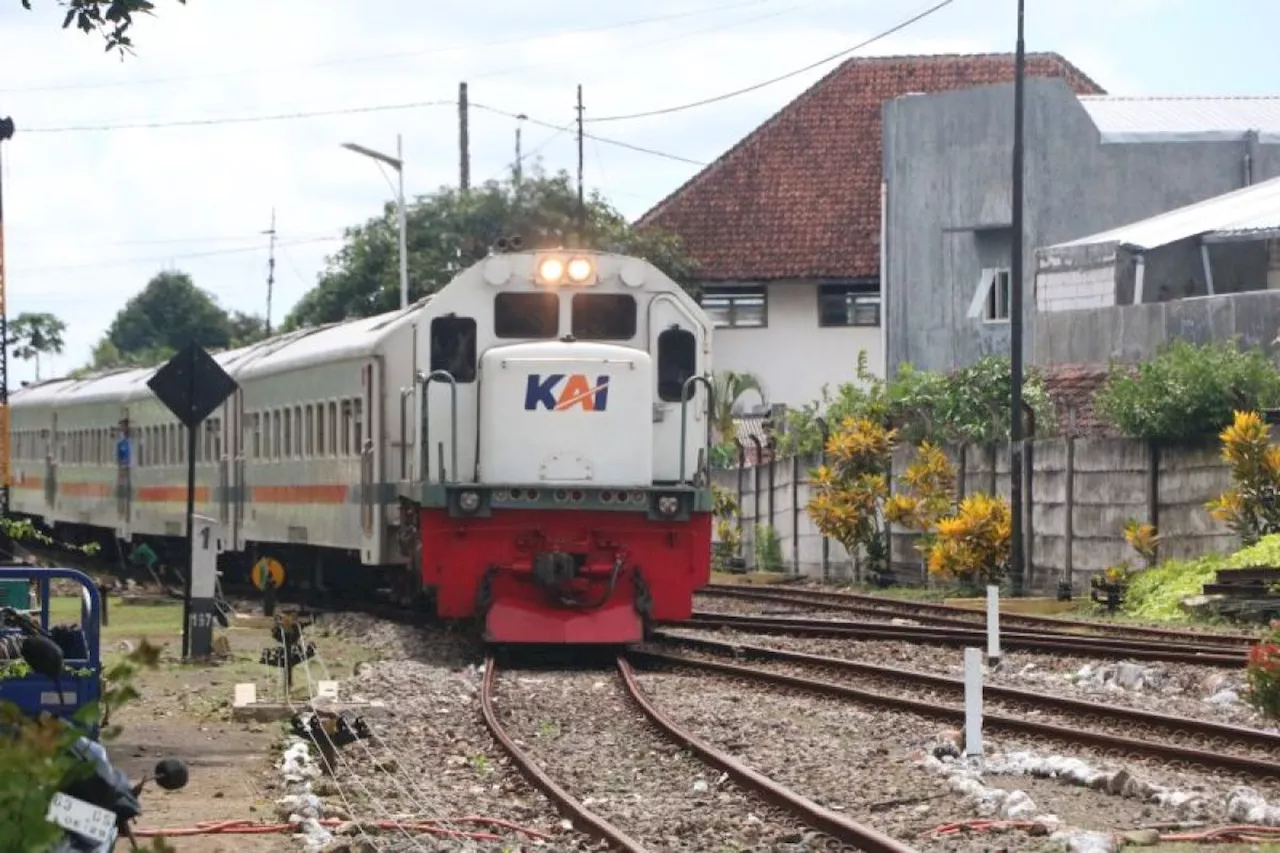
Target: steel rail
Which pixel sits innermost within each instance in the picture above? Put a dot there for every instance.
(1051, 623)
(1207, 728)
(836, 825)
(958, 637)
(590, 822)
(1167, 752)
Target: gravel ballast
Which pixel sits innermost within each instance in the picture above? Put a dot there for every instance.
(590, 737)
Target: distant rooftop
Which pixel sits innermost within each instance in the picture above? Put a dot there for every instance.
(1191, 119)
(1252, 213)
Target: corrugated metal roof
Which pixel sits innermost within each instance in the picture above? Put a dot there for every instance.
(1192, 119)
(1252, 210)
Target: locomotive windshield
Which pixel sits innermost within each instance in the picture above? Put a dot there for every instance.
(526, 315)
(604, 316)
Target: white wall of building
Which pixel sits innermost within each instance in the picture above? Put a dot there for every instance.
(792, 355)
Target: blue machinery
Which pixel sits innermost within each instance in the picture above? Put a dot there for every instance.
(81, 682)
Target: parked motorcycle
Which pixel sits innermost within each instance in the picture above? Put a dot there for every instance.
(95, 809)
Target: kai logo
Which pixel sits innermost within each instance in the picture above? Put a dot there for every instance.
(559, 392)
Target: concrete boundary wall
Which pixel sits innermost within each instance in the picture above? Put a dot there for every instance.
(1082, 491)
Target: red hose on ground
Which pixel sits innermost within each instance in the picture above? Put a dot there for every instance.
(249, 827)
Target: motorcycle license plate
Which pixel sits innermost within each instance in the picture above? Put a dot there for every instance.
(76, 815)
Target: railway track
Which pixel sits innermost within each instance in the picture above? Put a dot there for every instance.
(955, 616)
(1128, 731)
(837, 827)
(959, 637)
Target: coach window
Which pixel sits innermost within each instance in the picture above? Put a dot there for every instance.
(320, 433)
(297, 432)
(677, 361)
(346, 428)
(453, 346)
(358, 420)
(603, 316)
(526, 315)
(286, 450)
(276, 427)
(217, 440)
(311, 429)
(255, 427)
(333, 428)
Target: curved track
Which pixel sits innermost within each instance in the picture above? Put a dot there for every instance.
(824, 820)
(973, 635)
(953, 615)
(1244, 765)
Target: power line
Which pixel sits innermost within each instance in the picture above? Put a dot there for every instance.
(202, 122)
(833, 57)
(159, 241)
(163, 258)
(606, 140)
(152, 81)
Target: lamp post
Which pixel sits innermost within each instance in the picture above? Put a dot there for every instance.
(6, 133)
(1017, 563)
(397, 163)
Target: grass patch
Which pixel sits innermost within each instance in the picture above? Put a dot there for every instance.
(127, 621)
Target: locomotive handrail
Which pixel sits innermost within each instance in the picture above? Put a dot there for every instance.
(684, 416)
(439, 376)
(404, 431)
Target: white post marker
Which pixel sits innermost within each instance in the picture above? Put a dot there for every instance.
(205, 546)
(993, 625)
(973, 701)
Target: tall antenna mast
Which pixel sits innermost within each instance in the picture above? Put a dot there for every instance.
(582, 209)
(271, 266)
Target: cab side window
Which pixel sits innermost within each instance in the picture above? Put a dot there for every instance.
(453, 347)
(677, 361)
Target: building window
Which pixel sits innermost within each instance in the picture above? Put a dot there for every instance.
(991, 300)
(735, 307)
(853, 304)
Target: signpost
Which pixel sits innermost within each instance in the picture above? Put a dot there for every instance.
(192, 385)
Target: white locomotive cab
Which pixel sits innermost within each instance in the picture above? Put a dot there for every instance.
(566, 413)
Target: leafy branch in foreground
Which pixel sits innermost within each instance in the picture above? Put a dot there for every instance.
(111, 18)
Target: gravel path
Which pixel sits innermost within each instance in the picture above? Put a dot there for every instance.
(431, 755)
(1169, 688)
(584, 730)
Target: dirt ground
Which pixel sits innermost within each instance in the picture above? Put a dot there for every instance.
(185, 712)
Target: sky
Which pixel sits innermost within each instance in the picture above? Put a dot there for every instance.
(96, 205)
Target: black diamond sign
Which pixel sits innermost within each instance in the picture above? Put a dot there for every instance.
(192, 385)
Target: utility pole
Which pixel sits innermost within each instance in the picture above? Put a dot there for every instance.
(271, 266)
(6, 133)
(519, 167)
(1017, 563)
(582, 210)
(464, 139)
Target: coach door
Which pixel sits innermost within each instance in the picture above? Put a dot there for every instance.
(124, 447)
(231, 471)
(368, 431)
(51, 464)
(676, 342)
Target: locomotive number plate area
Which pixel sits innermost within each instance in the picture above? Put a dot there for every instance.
(77, 816)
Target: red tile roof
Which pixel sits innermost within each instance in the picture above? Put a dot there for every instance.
(799, 197)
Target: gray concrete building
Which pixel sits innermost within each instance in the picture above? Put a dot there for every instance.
(1093, 162)
(1204, 272)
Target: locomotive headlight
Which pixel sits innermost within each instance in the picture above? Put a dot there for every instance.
(550, 270)
(668, 504)
(580, 270)
(469, 501)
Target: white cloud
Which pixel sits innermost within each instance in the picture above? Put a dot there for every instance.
(92, 215)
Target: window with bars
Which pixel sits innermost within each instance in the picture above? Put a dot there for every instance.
(849, 304)
(736, 307)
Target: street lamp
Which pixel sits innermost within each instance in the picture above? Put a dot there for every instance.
(397, 163)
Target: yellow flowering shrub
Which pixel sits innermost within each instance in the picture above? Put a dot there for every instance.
(928, 493)
(973, 545)
(1251, 507)
(849, 490)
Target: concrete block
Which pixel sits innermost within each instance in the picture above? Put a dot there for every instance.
(245, 694)
(1112, 455)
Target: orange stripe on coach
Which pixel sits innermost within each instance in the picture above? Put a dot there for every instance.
(318, 493)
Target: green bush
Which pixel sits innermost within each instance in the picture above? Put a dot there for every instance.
(1188, 391)
(768, 548)
(968, 405)
(1157, 593)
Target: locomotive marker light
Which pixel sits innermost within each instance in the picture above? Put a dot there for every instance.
(469, 501)
(579, 270)
(668, 504)
(191, 385)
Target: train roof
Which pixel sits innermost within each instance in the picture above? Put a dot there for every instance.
(291, 350)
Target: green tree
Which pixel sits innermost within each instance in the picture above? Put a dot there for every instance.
(450, 230)
(111, 18)
(35, 334)
(169, 313)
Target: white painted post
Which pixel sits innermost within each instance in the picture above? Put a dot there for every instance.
(993, 625)
(973, 701)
